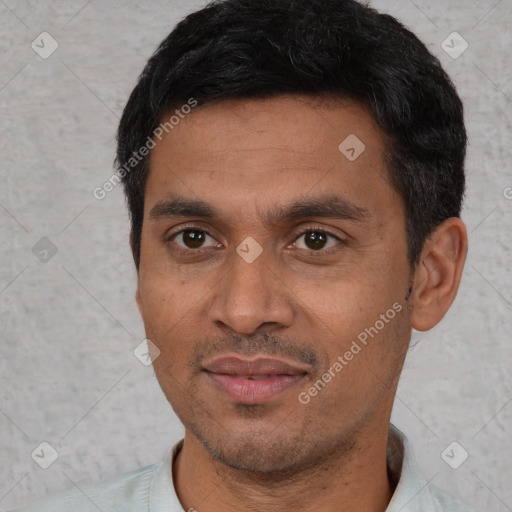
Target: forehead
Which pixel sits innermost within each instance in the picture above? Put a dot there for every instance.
(296, 123)
(281, 147)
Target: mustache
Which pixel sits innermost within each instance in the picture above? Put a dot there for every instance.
(264, 344)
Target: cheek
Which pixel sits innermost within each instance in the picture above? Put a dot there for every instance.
(170, 312)
(369, 310)
(161, 307)
(157, 296)
(163, 317)
(349, 304)
(364, 362)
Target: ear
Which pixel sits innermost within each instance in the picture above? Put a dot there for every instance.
(438, 273)
(137, 292)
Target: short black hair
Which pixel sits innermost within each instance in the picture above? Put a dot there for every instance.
(247, 49)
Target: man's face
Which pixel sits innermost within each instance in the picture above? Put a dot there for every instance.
(215, 305)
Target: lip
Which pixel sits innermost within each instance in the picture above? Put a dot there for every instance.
(253, 381)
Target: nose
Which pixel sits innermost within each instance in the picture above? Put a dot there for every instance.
(251, 295)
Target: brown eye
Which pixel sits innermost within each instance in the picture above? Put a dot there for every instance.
(191, 238)
(317, 240)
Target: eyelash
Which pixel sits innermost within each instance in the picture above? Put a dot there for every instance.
(316, 229)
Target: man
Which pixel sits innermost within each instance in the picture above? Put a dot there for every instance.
(294, 171)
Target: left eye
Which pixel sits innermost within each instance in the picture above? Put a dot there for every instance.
(316, 240)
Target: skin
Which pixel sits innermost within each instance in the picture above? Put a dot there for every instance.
(298, 301)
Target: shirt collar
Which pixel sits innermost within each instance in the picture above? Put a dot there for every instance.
(412, 491)
(162, 494)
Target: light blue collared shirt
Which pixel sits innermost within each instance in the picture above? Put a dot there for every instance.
(151, 489)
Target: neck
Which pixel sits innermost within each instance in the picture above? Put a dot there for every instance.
(354, 479)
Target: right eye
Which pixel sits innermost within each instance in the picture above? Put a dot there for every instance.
(191, 239)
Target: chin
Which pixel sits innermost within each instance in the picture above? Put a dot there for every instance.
(274, 451)
(262, 456)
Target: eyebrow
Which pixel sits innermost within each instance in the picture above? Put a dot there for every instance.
(327, 206)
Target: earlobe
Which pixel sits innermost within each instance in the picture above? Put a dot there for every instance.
(138, 300)
(438, 273)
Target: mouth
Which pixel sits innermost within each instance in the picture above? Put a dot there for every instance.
(253, 381)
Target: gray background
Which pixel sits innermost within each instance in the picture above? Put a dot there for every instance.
(69, 325)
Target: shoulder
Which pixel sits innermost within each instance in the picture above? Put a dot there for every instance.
(413, 493)
(128, 492)
(446, 502)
